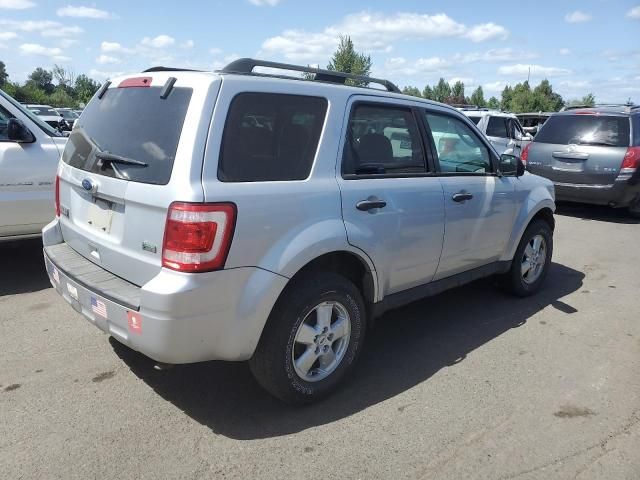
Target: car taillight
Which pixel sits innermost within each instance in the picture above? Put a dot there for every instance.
(631, 160)
(57, 197)
(197, 236)
(524, 155)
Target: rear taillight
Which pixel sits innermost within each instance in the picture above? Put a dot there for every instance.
(197, 236)
(57, 197)
(631, 160)
(524, 155)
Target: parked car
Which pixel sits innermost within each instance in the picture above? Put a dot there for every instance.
(502, 129)
(69, 115)
(29, 154)
(532, 122)
(591, 155)
(50, 115)
(273, 218)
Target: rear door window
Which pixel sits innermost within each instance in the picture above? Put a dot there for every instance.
(4, 122)
(497, 127)
(585, 130)
(132, 123)
(475, 120)
(636, 130)
(270, 137)
(382, 139)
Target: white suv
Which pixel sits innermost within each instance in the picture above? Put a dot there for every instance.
(243, 216)
(501, 128)
(29, 154)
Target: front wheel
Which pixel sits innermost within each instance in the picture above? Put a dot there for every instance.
(312, 338)
(532, 259)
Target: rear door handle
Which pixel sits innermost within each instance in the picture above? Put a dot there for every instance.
(365, 205)
(462, 196)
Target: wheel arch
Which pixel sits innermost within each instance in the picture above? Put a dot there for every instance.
(532, 209)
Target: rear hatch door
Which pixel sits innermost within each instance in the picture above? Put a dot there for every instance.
(580, 148)
(136, 149)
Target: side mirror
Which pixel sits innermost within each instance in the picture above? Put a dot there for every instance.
(18, 132)
(511, 166)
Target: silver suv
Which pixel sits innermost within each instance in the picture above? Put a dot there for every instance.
(592, 155)
(503, 129)
(243, 216)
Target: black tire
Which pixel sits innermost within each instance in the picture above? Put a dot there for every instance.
(272, 362)
(514, 280)
(634, 209)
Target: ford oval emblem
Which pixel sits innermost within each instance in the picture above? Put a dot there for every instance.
(89, 185)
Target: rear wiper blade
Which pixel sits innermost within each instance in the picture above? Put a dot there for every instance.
(113, 158)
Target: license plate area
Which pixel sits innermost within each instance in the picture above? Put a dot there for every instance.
(100, 214)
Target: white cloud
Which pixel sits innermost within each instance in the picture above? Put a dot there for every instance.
(16, 4)
(564, 51)
(106, 59)
(4, 36)
(374, 32)
(46, 28)
(262, 3)
(188, 44)
(486, 31)
(83, 12)
(402, 66)
(494, 86)
(215, 51)
(575, 84)
(494, 55)
(67, 42)
(634, 13)
(54, 53)
(161, 41)
(577, 17)
(523, 70)
(113, 47)
(102, 75)
(61, 32)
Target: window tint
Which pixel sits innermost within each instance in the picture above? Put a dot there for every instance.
(270, 137)
(382, 140)
(475, 120)
(636, 130)
(134, 123)
(497, 127)
(4, 121)
(585, 130)
(459, 149)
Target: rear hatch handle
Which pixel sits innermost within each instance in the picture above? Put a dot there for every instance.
(571, 155)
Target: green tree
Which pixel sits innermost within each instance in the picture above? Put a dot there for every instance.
(85, 88)
(442, 91)
(589, 100)
(413, 91)
(477, 97)
(505, 101)
(458, 89)
(41, 79)
(3, 74)
(493, 103)
(61, 98)
(428, 93)
(347, 59)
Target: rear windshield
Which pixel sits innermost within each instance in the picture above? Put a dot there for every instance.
(636, 130)
(134, 124)
(585, 130)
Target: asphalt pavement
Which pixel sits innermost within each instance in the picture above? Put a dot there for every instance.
(470, 384)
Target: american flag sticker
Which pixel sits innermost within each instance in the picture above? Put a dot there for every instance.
(135, 322)
(98, 307)
(56, 275)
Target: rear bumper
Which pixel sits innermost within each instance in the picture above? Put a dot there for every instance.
(619, 194)
(174, 318)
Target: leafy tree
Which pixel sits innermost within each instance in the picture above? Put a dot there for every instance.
(61, 98)
(458, 89)
(85, 88)
(42, 79)
(413, 91)
(505, 101)
(477, 97)
(493, 103)
(347, 59)
(442, 91)
(428, 93)
(589, 100)
(3, 74)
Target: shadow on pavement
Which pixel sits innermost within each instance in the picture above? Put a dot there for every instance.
(23, 268)
(601, 213)
(406, 347)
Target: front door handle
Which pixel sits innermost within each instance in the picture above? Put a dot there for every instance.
(462, 196)
(365, 205)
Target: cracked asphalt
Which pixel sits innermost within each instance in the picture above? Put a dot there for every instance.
(470, 384)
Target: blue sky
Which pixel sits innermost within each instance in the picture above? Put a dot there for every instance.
(580, 46)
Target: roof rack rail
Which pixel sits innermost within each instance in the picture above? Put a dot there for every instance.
(168, 69)
(245, 66)
(466, 106)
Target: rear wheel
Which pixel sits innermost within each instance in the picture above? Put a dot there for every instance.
(634, 208)
(312, 339)
(532, 259)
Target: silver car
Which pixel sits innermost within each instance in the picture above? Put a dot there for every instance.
(243, 216)
(503, 129)
(592, 155)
